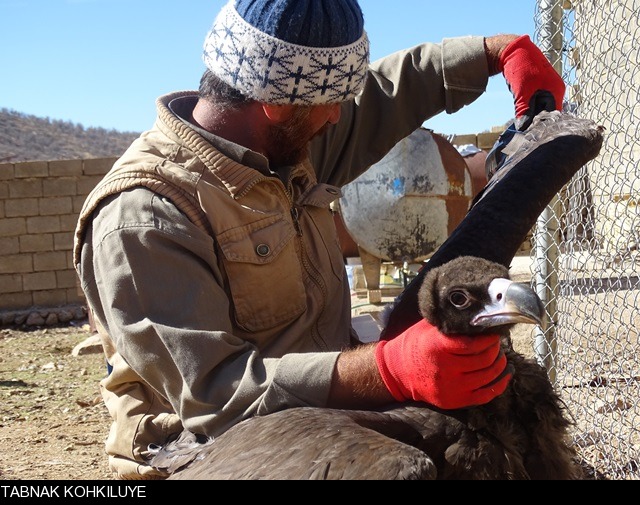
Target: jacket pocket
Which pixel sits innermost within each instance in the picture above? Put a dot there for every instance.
(264, 273)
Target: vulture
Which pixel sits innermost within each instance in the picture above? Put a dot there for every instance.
(464, 288)
(522, 434)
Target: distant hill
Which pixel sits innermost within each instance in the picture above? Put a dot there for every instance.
(30, 138)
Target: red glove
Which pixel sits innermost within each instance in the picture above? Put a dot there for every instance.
(533, 81)
(423, 364)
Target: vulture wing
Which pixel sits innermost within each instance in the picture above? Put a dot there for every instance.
(540, 161)
(310, 444)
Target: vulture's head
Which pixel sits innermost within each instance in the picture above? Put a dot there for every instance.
(470, 295)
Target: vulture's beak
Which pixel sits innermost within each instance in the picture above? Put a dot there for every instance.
(511, 302)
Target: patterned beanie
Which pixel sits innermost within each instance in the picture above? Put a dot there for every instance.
(303, 52)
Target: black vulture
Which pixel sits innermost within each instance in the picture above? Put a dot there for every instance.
(522, 434)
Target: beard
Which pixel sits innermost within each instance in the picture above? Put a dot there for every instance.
(289, 141)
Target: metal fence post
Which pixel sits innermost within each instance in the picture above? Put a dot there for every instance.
(546, 235)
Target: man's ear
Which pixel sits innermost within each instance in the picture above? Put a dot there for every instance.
(277, 113)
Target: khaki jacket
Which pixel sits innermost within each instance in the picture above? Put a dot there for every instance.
(268, 238)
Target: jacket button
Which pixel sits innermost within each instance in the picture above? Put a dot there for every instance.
(263, 250)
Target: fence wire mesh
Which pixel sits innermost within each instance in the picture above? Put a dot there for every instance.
(585, 252)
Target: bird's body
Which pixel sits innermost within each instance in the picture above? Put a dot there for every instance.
(522, 434)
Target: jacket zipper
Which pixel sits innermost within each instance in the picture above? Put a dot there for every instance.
(308, 268)
(295, 214)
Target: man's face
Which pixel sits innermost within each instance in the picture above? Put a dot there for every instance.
(289, 140)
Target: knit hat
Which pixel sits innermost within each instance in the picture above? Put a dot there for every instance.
(304, 52)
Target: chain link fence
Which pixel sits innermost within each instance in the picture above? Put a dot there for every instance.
(585, 257)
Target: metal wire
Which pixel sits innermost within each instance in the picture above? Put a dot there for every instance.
(586, 243)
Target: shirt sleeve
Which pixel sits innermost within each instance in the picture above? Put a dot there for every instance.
(403, 90)
(146, 254)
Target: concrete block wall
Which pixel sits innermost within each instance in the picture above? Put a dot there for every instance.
(39, 206)
(484, 141)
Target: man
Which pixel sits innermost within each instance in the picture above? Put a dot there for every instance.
(209, 256)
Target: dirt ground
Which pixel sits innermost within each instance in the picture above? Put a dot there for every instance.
(52, 420)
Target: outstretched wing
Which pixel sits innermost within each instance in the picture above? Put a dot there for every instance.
(540, 161)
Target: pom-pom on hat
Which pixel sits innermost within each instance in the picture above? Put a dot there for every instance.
(304, 52)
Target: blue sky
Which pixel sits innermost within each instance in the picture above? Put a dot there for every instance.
(102, 63)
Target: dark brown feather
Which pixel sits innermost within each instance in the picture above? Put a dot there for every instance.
(522, 434)
(543, 159)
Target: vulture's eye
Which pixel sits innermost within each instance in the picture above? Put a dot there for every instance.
(459, 299)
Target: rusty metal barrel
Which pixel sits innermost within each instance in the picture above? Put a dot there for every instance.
(406, 205)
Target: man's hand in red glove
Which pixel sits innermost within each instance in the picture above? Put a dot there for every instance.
(422, 364)
(534, 83)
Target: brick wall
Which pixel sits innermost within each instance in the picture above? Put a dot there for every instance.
(39, 206)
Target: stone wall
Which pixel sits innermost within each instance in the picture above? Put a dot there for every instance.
(39, 207)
